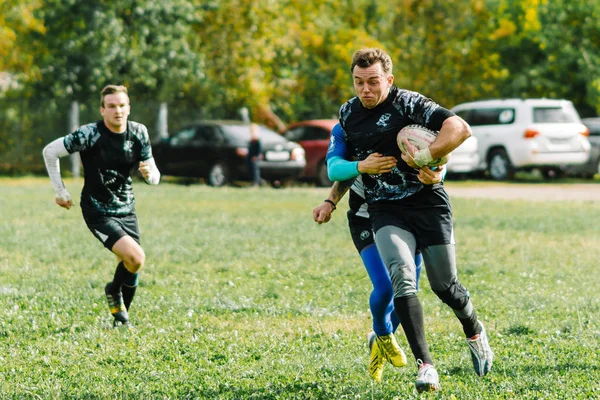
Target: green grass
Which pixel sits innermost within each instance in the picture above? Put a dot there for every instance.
(243, 296)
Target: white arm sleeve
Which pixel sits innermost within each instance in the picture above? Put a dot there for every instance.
(154, 176)
(51, 153)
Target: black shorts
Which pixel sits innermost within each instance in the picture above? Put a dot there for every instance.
(428, 216)
(109, 229)
(360, 230)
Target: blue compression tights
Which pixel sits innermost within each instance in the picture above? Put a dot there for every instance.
(381, 302)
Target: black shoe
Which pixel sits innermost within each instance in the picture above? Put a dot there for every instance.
(116, 305)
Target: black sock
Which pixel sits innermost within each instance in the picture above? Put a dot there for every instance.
(410, 311)
(470, 325)
(128, 294)
(122, 275)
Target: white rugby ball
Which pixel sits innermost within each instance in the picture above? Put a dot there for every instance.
(420, 137)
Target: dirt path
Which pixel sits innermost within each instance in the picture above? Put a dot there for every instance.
(534, 192)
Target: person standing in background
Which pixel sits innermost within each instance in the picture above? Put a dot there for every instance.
(254, 154)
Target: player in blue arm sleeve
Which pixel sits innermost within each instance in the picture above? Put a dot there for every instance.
(385, 320)
(406, 213)
(341, 169)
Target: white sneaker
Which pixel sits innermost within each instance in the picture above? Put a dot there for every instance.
(427, 378)
(481, 352)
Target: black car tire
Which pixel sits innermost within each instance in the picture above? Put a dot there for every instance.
(322, 177)
(218, 175)
(499, 166)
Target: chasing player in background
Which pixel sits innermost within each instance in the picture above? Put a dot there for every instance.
(111, 149)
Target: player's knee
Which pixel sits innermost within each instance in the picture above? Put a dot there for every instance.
(382, 294)
(135, 261)
(456, 296)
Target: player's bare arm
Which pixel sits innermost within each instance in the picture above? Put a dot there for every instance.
(322, 213)
(376, 163)
(454, 131)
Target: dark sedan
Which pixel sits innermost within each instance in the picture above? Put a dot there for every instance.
(216, 151)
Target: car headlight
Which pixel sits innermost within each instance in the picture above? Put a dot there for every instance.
(297, 154)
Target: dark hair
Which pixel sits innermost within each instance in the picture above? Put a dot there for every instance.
(111, 89)
(364, 58)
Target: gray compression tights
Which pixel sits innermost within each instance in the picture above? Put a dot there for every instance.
(397, 248)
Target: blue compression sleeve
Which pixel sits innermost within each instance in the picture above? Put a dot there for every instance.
(339, 169)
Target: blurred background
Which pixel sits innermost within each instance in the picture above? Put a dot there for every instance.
(282, 60)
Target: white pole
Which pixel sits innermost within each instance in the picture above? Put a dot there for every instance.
(73, 125)
(162, 126)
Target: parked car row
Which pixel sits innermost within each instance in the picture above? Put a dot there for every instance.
(217, 150)
(509, 135)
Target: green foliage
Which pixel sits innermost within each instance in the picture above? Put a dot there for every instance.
(288, 60)
(243, 296)
(16, 22)
(554, 51)
(142, 44)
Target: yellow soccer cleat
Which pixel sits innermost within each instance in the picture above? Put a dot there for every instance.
(391, 350)
(376, 358)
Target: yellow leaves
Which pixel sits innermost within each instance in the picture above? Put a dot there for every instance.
(16, 18)
(506, 28)
(531, 21)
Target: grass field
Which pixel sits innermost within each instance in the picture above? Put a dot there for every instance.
(243, 296)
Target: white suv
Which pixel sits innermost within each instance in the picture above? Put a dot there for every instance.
(523, 134)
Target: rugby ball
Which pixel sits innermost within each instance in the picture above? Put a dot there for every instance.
(420, 137)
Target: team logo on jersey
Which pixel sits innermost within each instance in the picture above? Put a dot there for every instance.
(364, 235)
(383, 120)
(331, 144)
(128, 146)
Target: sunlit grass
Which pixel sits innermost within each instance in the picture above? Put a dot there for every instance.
(244, 296)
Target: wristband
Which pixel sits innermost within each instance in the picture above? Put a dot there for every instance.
(330, 202)
(423, 157)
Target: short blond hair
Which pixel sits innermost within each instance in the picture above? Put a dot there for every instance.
(111, 89)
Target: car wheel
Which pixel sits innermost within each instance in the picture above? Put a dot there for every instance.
(218, 175)
(499, 166)
(322, 177)
(552, 173)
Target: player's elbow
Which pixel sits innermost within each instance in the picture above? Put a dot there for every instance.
(463, 128)
(46, 152)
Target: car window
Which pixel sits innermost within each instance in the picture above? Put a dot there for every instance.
(554, 115)
(183, 137)
(315, 133)
(491, 116)
(208, 134)
(464, 114)
(241, 134)
(295, 134)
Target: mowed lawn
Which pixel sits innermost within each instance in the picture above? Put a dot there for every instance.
(243, 296)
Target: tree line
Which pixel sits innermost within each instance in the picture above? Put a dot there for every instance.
(286, 60)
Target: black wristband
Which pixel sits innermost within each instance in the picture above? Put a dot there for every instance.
(330, 202)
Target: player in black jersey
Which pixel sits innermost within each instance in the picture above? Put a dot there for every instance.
(405, 213)
(111, 150)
